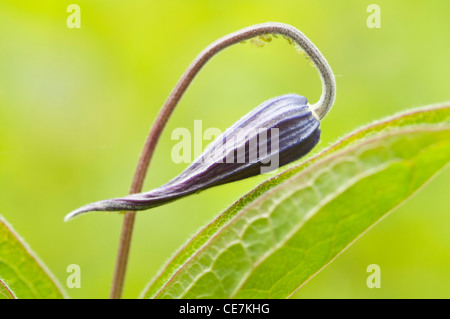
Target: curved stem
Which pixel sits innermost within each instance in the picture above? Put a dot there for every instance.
(320, 109)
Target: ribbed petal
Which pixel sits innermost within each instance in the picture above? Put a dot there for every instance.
(235, 154)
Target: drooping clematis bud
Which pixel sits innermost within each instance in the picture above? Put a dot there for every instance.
(277, 132)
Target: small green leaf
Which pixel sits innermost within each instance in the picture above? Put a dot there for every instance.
(278, 236)
(22, 274)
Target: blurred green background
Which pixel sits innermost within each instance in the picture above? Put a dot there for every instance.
(77, 104)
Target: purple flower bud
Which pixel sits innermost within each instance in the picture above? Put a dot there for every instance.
(277, 132)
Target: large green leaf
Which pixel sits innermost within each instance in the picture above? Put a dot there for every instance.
(275, 238)
(22, 274)
(5, 291)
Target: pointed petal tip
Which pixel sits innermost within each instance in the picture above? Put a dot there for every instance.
(104, 205)
(84, 209)
(75, 213)
(68, 217)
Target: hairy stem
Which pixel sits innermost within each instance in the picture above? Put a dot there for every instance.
(320, 108)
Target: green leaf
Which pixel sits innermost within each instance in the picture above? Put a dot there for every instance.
(274, 239)
(6, 292)
(22, 274)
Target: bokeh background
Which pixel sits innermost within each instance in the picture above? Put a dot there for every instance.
(77, 104)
